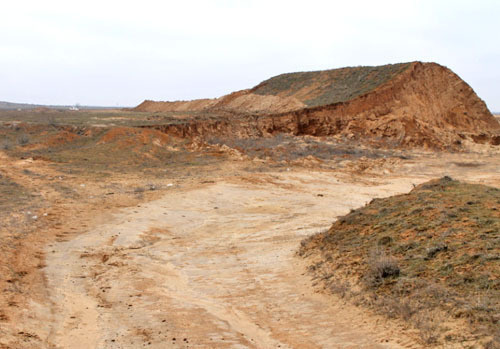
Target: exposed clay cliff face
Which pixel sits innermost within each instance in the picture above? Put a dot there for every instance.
(424, 105)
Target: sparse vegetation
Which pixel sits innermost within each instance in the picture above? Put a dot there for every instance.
(285, 147)
(51, 120)
(341, 84)
(23, 139)
(139, 190)
(102, 150)
(380, 267)
(436, 249)
(6, 145)
(13, 194)
(108, 117)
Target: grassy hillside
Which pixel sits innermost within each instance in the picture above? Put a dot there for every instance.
(329, 86)
(427, 257)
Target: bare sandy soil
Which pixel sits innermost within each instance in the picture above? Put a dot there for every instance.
(214, 265)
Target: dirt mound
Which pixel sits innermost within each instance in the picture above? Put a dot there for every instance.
(293, 91)
(133, 145)
(237, 102)
(61, 138)
(425, 105)
(246, 102)
(133, 136)
(407, 105)
(194, 105)
(435, 249)
(329, 86)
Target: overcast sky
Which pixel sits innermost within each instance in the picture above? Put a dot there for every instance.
(122, 52)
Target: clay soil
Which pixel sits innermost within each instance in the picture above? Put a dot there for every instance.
(194, 248)
(409, 105)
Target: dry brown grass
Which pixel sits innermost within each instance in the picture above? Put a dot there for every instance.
(436, 249)
(329, 86)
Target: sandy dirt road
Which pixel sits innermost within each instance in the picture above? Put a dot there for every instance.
(213, 267)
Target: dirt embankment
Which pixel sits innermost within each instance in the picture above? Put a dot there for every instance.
(424, 105)
(194, 105)
(237, 102)
(430, 257)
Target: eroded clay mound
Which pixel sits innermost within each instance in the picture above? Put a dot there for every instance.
(426, 105)
(290, 92)
(405, 105)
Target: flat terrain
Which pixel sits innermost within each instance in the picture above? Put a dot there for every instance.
(212, 266)
(190, 245)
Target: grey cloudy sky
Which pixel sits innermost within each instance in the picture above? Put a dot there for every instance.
(121, 52)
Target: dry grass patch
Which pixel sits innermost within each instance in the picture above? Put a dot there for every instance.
(433, 251)
(325, 87)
